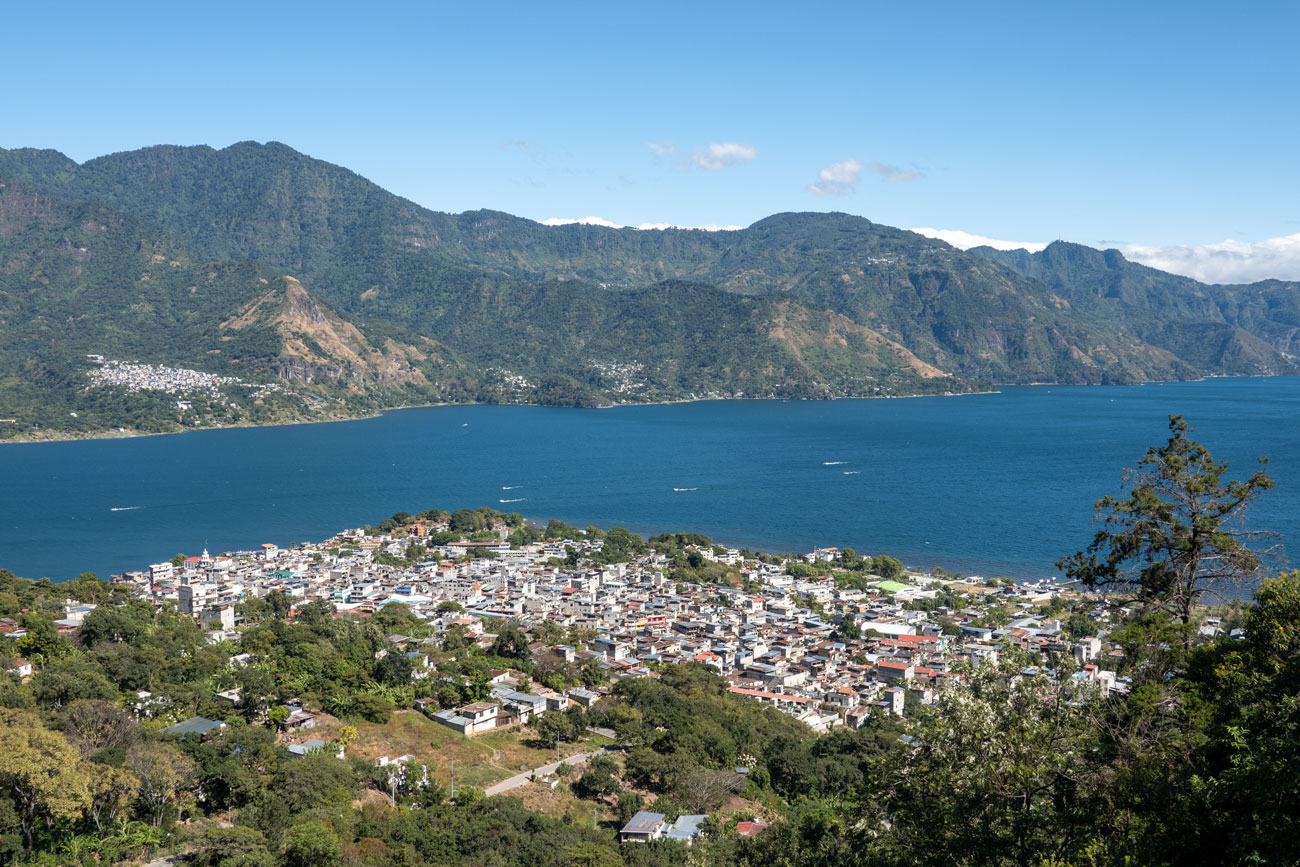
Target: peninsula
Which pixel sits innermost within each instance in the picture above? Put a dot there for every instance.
(617, 699)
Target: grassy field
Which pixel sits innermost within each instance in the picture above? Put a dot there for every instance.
(512, 752)
(480, 761)
(556, 803)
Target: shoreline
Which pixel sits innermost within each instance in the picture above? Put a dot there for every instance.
(289, 495)
(997, 389)
(128, 435)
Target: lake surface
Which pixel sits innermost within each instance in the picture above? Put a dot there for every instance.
(997, 484)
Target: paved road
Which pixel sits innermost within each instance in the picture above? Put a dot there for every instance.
(519, 779)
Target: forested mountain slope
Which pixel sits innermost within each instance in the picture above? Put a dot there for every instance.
(811, 305)
(82, 280)
(1250, 329)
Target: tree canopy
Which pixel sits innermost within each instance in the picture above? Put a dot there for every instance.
(1179, 533)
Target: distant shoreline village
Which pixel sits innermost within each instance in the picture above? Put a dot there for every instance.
(183, 383)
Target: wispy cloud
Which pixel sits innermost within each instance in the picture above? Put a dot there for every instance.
(534, 151)
(894, 174)
(965, 240)
(662, 148)
(840, 178)
(720, 155)
(1227, 261)
(547, 158)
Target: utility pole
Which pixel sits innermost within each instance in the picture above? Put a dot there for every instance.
(452, 796)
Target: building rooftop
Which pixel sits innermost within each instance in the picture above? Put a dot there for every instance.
(687, 827)
(644, 823)
(195, 725)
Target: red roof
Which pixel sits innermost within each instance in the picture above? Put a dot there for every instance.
(918, 639)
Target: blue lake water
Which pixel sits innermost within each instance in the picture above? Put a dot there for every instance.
(997, 484)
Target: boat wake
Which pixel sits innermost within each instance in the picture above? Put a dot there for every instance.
(679, 490)
(123, 508)
(515, 500)
(833, 463)
(851, 472)
(510, 487)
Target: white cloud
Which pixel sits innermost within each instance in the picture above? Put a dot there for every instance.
(601, 221)
(839, 178)
(662, 148)
(720, 155)
(965, 240)
(584, 221)
(1225, 262)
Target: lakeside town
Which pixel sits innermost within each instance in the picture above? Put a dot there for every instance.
(831, 639)
(786, 632)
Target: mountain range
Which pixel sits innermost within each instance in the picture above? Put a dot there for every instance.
(261, 263)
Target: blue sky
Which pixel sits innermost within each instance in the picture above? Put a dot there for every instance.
(1164, 125)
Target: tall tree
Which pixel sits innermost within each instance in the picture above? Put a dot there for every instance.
(93, 725)
(1177, 535)
(41, 770)
(167, 777)
(111, 791)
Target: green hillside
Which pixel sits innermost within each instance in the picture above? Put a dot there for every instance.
(491, 307)
(1251, 329)
(89, 280)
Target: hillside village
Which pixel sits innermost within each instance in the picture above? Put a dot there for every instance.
(827, 654)
(680, 693)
